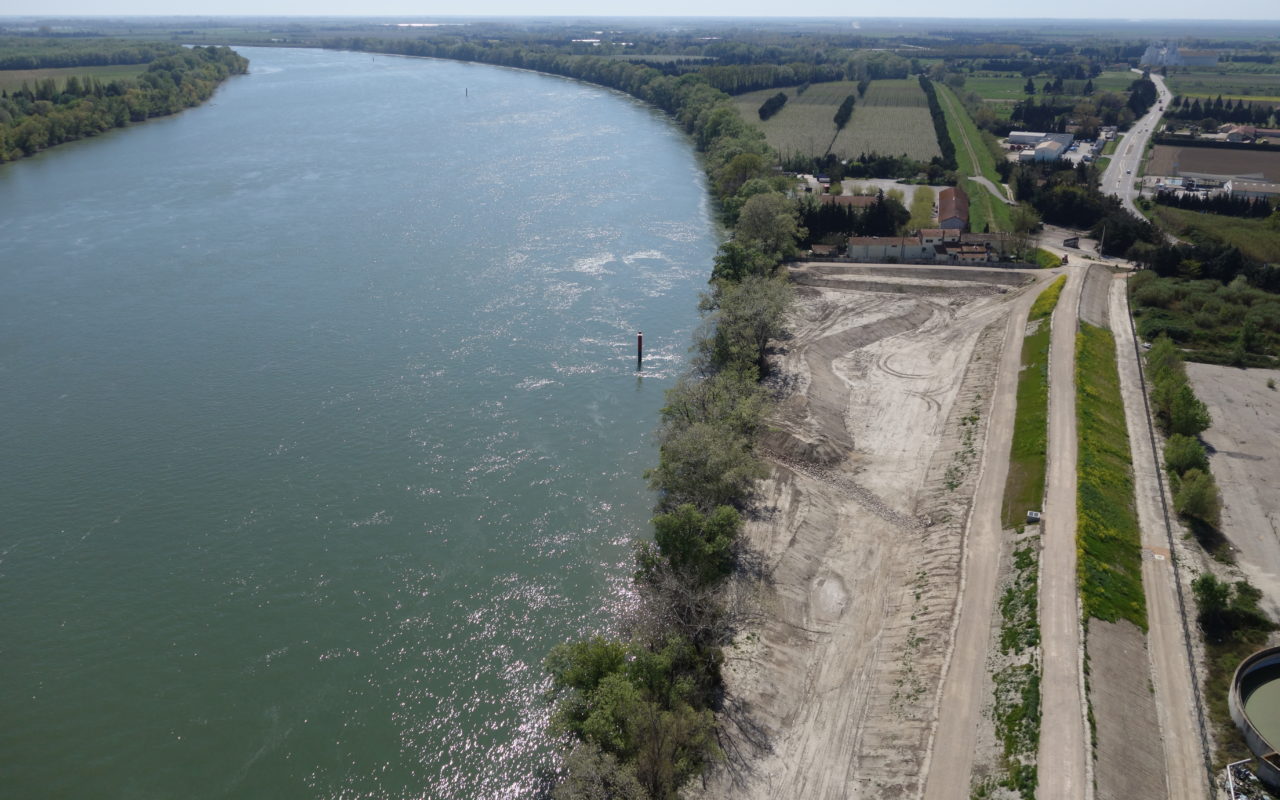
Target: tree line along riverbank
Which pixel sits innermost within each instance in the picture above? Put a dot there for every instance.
(51, 112)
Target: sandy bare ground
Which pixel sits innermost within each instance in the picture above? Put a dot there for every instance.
(1245, 459)
(1172, 675)
(1063, 764)
(877, 452)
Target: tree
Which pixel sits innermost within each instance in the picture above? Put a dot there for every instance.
(706, 465)
(697, 546)
(1030, 88)
(844, 112)
(1188, 415)
(769, 222)
(747, 315)
(1184, 453)
(592, 774)
(1213, 599)
(1198, 497)
(736, 261)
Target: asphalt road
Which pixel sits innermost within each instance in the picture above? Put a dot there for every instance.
(1119, 177)
(1064, 750)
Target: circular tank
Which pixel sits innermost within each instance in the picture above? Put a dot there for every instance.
(1254, 702)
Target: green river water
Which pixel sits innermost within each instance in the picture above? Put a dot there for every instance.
(321, 426)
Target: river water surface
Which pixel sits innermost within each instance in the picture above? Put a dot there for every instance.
(319, 426)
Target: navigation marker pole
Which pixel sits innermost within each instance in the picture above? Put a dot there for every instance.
(639, 350)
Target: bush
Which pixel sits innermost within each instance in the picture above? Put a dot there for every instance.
(1198, 498)
(1188, 415)
(697, 547)
(1183, 453)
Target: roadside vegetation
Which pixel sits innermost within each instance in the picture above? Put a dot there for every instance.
(56, 110)
(1015, 711)
(1108, 539)
(1230, 621)
(1213, 321)
(1024, 488)
(1257, 239)
(1233, 626)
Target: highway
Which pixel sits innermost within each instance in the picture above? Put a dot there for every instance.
(1119, 177)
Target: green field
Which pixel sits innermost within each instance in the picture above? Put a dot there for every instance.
(12, 79)
(1211, 83)
(985, 211)
(1009, 86)
(892, 119)
(1255, 237)
(1107, 537)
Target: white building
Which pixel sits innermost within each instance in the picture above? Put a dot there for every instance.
(1252, 190)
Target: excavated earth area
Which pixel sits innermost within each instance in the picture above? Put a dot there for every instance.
(886, 387)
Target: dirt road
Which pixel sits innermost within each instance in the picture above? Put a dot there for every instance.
(1171, 671)
(1063, 765)
(950, 765)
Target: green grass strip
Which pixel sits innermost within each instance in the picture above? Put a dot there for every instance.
(1044, 259)
(1108, 543)
(1024, 485)
(1048, 299)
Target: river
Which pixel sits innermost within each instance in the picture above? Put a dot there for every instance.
(321, 426)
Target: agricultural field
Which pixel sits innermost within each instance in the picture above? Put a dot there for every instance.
(1009, 86)
(1211, 83)
(892, 119)
(12, 79)
(1174, 160)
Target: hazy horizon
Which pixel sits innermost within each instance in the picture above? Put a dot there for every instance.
(1086, 10)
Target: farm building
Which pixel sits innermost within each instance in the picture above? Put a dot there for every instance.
(953, 209)
(1025, 137)
(1034, 138)
(848, 200)
(930, 245)
(1252, 190)
(1048, 150)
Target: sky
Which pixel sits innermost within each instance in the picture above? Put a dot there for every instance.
(1070, 9)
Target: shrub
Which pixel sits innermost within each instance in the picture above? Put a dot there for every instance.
(1188, 415)
(1183, 453)
(1198, 497)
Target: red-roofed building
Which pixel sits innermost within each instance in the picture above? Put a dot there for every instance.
(953, 209)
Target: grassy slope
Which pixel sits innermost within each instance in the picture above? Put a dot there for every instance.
(1024, 487)
(1107, 539)
(1255, 237)
(983, 208)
